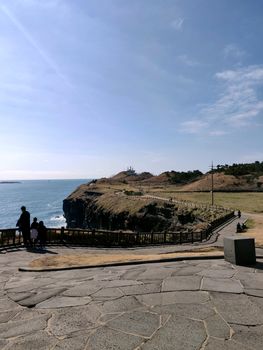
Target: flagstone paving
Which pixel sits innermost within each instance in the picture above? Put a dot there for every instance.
(192, 304)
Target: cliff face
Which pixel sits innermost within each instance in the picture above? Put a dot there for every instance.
(146, 216)
(76, 205)
(90, 207)
(120, 203)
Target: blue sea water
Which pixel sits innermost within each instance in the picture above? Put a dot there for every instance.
(42, 198)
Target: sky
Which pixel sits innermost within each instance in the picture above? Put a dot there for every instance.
(89, 88)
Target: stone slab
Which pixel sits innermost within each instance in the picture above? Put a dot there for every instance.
(194, 311)
(84, 289)
(222, 285)
(40, 297)
(178, 283)
(238, 309)
(249, 336)
(38, 340)
(167, 298)
(216, 273)
(254, 292)
(8, 315)
(60, 302)
(155, 274)
(187, 270)
(220, 344)
(16, 328)
(137, 322)
(105, 339)
(217, 327)
(77, 341)
(123, 304)
(142, 289)
(177, 334)
(107, 294)
(71, 320)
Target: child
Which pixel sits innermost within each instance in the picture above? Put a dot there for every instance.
(34, 231)
(42, 234)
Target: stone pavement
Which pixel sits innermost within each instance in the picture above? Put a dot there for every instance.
(184, 305)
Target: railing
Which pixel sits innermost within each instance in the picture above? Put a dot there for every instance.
(9, 237)
(91, 237)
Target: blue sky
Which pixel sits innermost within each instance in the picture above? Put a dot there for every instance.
(89, 88)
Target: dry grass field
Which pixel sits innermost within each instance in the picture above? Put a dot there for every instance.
(251, 202)
(62, 261)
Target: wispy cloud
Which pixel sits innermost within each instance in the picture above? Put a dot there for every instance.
(193, 126)
(233, 51)
(177, 23)
(188, 61)
(43, 54)
(218, 133)
(237, 106)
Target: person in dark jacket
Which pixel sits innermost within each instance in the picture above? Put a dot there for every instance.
(23, 224)
(42, 234)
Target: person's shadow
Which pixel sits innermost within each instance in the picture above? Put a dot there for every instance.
(40, 251)
(258, 266)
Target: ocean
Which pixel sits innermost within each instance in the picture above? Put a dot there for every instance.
(42, 198)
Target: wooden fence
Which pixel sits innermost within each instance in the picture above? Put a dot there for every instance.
(12, 237)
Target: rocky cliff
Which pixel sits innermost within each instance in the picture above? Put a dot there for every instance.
(110, 207)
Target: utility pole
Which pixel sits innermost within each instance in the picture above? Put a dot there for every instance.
(212, 184)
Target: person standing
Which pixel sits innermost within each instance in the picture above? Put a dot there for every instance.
(34, 231)
(42, 234)
(24, 225)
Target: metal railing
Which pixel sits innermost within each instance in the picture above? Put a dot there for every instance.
(93, 237)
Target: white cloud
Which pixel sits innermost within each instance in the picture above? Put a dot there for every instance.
(233, 51)
(248, 75)
(177, 23)
(238, 105)
(193, 126)
(218, 132)
(187, 60)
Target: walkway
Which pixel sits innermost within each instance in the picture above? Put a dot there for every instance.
(183, 305)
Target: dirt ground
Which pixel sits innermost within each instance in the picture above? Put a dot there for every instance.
(102, 259)
(256, 231)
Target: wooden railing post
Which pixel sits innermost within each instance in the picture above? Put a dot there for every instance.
(62, 232)
(93, 236)
(14, 237)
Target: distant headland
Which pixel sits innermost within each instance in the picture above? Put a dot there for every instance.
(9, 182)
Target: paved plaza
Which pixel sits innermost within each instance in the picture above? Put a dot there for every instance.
(191, 304)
